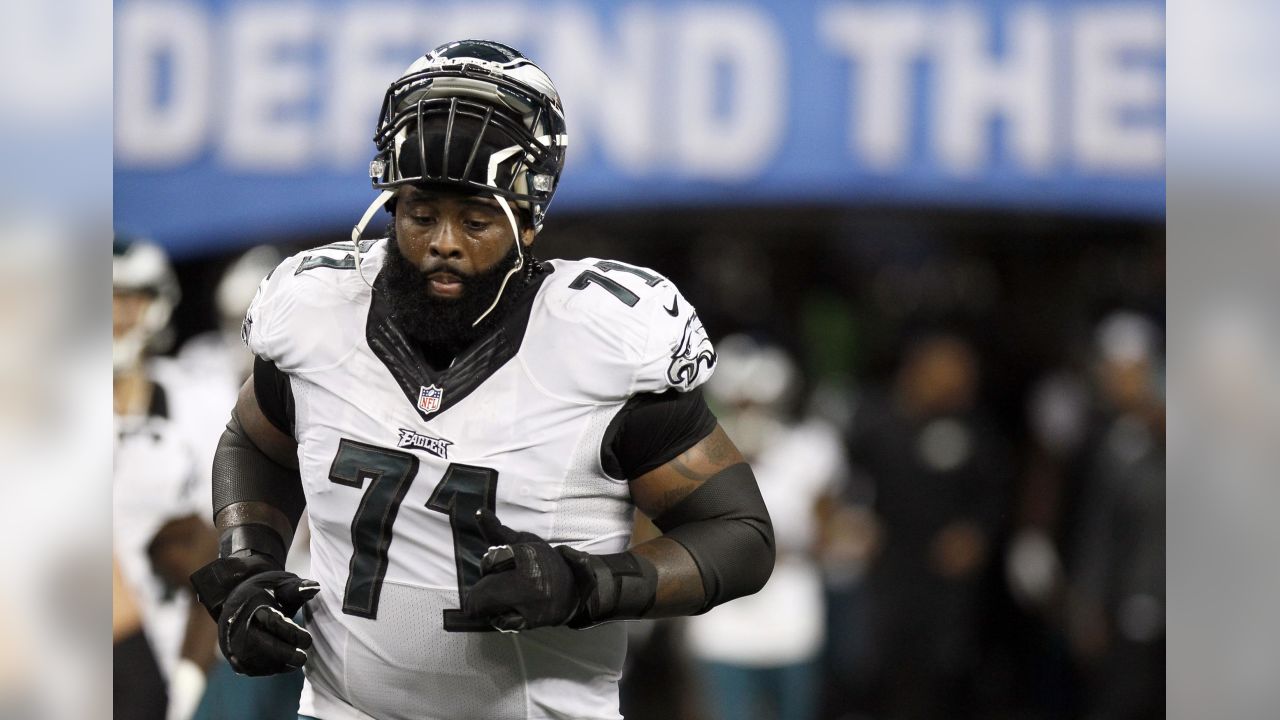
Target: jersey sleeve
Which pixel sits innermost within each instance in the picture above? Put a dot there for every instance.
(604, 331)
(677, 354)
(263, 328)
(305, 314)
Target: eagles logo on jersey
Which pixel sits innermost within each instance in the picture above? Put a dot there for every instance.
(692, 354)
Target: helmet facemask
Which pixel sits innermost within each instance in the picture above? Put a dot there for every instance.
(469, 144)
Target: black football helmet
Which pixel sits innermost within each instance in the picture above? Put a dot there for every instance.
(476, 115)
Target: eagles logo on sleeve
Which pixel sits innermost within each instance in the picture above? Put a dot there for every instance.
(691, 356)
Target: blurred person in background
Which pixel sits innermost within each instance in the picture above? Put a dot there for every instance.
(160, 474)
(221, 361)
(220, 353)
(138, 691)
(759, 656)
(940, 471)
(1116, 596)
(219, 356)
(849, 538)
(1060, 413)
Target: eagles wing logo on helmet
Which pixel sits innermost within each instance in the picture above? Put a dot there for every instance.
(475, 114)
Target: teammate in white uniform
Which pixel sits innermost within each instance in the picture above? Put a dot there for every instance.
(219, 354)
(766, 647)
(470, 431)
(161, 457)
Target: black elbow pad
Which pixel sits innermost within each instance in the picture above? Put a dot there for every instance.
(725, 527)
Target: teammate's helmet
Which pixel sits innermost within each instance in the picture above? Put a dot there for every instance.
(475, 114)
(141, 266)
(752, 373)
(238, 284)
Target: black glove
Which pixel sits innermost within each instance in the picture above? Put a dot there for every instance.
(524, 582)
(253, 602)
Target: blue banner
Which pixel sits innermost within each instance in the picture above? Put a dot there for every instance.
(237, 120)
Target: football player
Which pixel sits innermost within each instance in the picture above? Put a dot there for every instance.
(470, 430)
(219, 354)
(158, 477)
(759, 657)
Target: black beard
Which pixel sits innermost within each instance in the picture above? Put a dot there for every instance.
(443, 327)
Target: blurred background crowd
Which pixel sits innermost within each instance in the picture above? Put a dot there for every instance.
(927, 240)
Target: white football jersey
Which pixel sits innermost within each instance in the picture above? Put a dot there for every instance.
(161, 468)
(797, 466)
(396, 459)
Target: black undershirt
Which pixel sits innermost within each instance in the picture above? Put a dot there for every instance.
(274, 394)
(652, 429)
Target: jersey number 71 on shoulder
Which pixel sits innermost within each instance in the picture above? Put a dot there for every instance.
(615, 288)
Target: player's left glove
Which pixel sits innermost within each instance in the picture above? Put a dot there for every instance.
(524, 582)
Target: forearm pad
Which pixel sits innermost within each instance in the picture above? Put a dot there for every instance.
(243, 473)
(725, 527)
(621, 586)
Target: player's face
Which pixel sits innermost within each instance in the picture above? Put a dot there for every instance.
(127, 309)
(451, 237)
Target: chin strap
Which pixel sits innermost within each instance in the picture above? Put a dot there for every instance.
(358, 230)
(515, 231)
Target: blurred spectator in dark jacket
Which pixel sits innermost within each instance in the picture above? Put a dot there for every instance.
(1116, 599)
(940, 473)
(1061, 417)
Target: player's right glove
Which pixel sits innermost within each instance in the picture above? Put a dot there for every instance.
(252, 601)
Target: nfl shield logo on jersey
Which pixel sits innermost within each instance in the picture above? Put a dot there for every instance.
(429, 398)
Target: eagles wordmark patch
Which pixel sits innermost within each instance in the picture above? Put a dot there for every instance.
(434, 445)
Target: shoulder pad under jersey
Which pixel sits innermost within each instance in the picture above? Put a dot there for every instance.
(310, 311)
(613, 330)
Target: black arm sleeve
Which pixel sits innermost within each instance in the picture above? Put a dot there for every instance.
(725, 526)
(243, 473)
(652, 429)
(274, 394)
